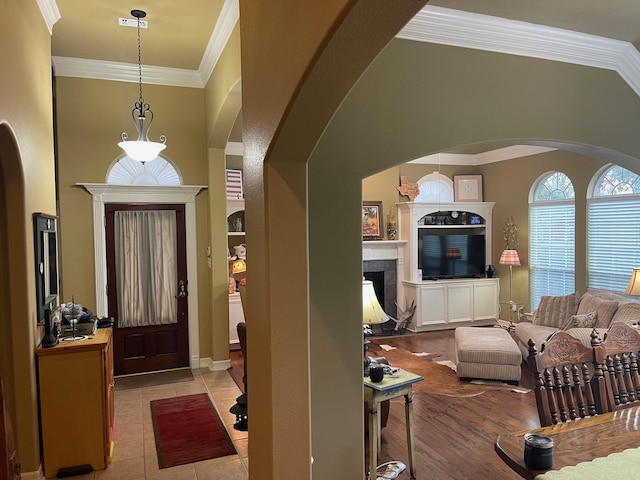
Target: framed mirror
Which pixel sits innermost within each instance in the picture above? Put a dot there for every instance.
(46, 263)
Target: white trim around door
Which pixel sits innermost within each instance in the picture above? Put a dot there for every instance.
(186, 194)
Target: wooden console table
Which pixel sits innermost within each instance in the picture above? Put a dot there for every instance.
(374, 394)
(76, 384)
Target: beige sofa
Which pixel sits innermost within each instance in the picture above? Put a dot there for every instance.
(554, 313)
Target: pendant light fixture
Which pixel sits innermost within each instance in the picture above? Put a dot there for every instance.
(141, 149)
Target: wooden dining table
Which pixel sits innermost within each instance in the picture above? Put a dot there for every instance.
(576, 441)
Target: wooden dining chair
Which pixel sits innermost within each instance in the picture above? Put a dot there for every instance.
(621, 345)
(568, 378)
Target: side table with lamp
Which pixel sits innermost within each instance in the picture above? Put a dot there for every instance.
(378, 391)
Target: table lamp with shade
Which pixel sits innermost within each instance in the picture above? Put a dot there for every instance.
(634, 283)
(372, 313)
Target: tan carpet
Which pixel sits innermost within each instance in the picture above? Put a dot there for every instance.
(439, 379)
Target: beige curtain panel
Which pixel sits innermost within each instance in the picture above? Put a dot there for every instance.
(146, 267)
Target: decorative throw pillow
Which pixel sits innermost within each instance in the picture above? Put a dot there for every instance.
(585, 320)
(553, 311)
(605, 309)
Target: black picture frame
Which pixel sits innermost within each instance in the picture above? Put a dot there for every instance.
(45, 243)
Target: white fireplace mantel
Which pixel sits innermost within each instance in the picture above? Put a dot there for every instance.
(383, 250)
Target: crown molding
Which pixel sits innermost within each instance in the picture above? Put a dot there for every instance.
(229, 16)
(176, 77)
(492, 156)
(126, 72)
(508, 153)
(482, 32)
(50, 13)
(432, 24)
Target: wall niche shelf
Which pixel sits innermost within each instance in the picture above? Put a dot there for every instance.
(235, 213)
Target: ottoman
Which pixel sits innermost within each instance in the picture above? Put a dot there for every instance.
(487, 353)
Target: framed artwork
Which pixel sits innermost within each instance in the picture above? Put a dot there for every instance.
(372, 224)
(467, 188)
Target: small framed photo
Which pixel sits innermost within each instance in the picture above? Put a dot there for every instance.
(467, 188)
(372, 224)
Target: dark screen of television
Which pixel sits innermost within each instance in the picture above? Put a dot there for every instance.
(450, 256)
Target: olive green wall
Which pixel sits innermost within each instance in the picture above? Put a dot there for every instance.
(299, 59)
(417, 99)
(222, 103)
(27, 186)
(91, 114)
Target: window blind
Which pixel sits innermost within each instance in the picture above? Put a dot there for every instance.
(613, 241)
(551, 250)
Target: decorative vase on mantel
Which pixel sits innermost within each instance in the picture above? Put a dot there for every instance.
(392, 225)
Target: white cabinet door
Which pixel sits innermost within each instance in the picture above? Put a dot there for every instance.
(432, 305)
(236, 315)
(485, 300)
(460, 303)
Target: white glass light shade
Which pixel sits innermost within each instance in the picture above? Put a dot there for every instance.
(634, 283)
(372, 312)
(142, 151)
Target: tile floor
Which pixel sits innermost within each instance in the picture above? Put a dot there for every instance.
(134, 455)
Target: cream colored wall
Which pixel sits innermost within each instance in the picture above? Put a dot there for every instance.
(91, 114)
(26, 160)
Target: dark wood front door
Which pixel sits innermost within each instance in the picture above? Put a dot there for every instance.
(156, 347)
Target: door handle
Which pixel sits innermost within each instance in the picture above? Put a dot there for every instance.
(182, 285)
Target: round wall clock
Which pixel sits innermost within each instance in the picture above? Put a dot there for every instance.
(454, 214)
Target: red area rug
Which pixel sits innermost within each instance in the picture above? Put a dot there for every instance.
(187, 429)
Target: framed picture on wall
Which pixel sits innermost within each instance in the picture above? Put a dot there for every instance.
(372, 224)
(467, 188)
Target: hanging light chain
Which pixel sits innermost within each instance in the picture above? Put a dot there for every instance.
(139, 62)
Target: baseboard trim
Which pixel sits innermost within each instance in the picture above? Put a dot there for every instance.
(215, 365)
(37, 475)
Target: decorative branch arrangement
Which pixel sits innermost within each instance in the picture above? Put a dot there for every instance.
(510, 234)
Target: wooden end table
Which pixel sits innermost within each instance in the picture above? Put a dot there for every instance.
(375, 393)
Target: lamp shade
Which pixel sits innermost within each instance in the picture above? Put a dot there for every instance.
(372, 312)
(142, 150)
(238, 266)
(634, 283)
(453, 253)
(510, 257)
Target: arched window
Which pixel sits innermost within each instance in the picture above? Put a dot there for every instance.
(551, 237)
(613, 213)
(159, 171)
(435, 188)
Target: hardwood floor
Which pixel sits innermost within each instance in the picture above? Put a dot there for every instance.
(454, 436)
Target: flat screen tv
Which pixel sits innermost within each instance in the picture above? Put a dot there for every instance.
(452, 255)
